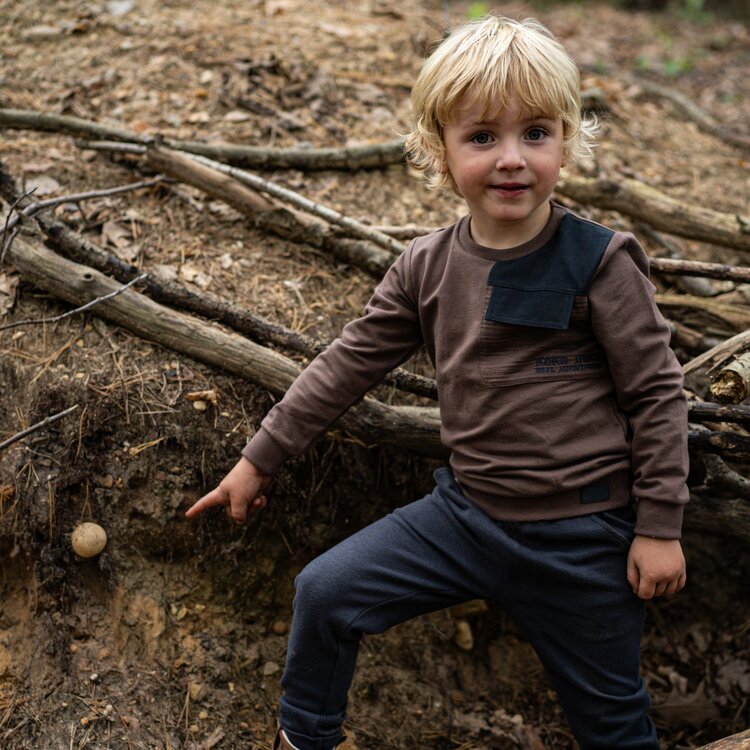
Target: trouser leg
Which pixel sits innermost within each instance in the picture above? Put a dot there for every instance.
(572, 601)
(420, 558)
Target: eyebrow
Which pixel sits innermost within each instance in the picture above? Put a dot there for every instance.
(524, 120)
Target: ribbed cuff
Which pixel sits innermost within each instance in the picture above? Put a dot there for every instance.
(265, 452)
(659, 519)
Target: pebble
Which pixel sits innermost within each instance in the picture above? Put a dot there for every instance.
(203, 715)
(279, 627)
(200, 405)
(195, 691)
(270, 668)
(463, 637)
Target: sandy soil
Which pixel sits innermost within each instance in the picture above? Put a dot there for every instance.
(176, 635)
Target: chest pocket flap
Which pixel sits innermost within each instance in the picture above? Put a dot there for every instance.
(539, 289)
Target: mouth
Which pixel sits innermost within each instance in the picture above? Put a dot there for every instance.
(510, 188)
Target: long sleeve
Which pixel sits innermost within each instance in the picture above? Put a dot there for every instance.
(648, 383)
(368, 348)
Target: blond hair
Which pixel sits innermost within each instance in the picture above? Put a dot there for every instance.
(486, 62)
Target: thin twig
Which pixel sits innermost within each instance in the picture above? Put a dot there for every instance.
(38, 426)
(334, 217)
(88, 305)
(10, 224)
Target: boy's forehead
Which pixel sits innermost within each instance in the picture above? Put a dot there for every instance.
(473, 110)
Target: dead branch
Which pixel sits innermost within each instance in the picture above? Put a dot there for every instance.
(38, 426)
(720, 477)
(642, 202)
(265, 214)
(736, 316)
(356, 228)
(206, 304)
(69, 313)
(371, 421)
(371, 156)
(722, 271)
(720, 353)
(731, 384)
(706, 411)
(729, 444)
(693, 112)
(725, 517)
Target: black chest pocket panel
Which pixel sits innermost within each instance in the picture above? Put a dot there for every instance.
(545, 308)
(536, 323)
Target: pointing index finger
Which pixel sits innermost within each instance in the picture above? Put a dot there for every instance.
(213, 498)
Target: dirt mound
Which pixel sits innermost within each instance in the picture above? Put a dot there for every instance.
(175, 636)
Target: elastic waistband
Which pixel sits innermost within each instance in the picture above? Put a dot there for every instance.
(611, 491)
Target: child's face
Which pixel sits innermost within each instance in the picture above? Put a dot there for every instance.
(506, 168)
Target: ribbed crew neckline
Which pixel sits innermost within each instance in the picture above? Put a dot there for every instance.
(467, 243)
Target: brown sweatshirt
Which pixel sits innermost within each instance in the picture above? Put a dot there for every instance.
(559, 393)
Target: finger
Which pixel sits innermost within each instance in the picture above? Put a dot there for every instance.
(212, 499)
(661, 588)
(646, 589)
(259, 502)
(633, 574)
(238, 509)
(673, 587)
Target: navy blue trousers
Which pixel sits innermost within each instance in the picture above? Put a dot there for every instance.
(563, 582)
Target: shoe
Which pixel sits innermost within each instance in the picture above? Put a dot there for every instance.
(280, 742)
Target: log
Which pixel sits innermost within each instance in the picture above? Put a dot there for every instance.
(723, 443)
(370, 156)
(79, 249)
(735, 316)
(719, 354)
(705, 411)
(642, 202)
(731, 383)
(725, 517)
(283, 222)
(688, 108)
(370, 421)
(411, 428)
(739, 741)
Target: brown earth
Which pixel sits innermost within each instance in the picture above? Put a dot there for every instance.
(175, 636)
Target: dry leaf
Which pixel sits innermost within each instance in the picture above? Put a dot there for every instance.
(42, 185)
(693, 709)
(210, 395)
(8, 287)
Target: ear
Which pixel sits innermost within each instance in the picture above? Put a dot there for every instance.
(442, 167)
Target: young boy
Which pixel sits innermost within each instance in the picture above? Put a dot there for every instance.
(560, 400)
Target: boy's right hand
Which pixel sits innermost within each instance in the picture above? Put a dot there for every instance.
(240, 490)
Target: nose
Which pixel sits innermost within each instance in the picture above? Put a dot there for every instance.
(509, 156)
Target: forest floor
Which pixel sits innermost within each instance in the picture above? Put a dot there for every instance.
(175, 636)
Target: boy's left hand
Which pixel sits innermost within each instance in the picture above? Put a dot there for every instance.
(656, 567)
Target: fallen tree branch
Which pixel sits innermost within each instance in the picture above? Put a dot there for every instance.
(737, 316)
(693, 112)
(371, 156)
(721, 271)
(640, 201)
(82, 250)
(720, 477)
(720, 353)
(265, 214)
(69, 313)
(707, 411)
(38, 426)
(731, 383)
(727, 444)
(371, 421)
(356, 228)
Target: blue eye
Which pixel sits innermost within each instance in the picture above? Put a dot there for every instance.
(481, 138)
(536, 134)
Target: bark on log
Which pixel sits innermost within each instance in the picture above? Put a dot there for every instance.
(719, 354)
(411, 428)
(79, 249)
(371, 421)
(371, 156)
(739, 741)
(731, 384)
(281, 221)
(705, 411)
(640, 201)
(736, 316)
(692, 111)
(726, 517)
(723, 443)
